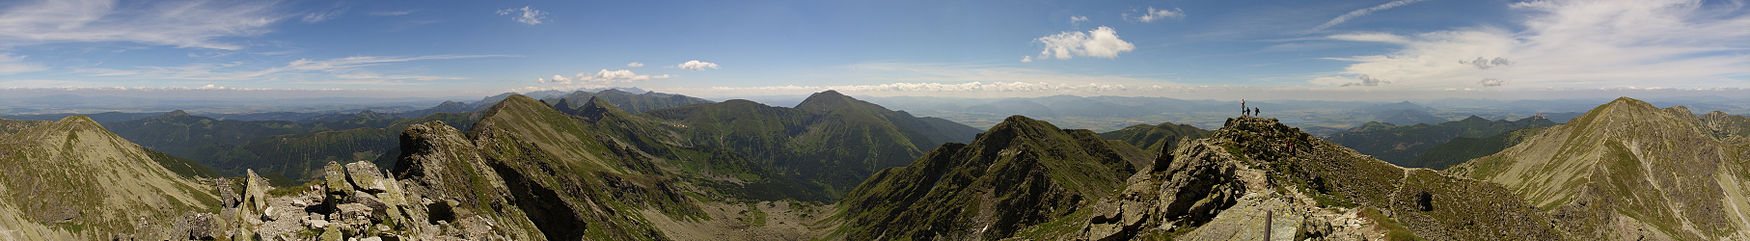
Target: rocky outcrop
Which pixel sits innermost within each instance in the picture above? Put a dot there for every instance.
(1256, 178)
(446, 170)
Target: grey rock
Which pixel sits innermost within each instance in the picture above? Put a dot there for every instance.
(365, 176)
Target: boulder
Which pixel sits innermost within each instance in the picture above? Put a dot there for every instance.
(365, 176)
(334, 177)
(229, 193)
(195, 226)
(379, 210)
(353, 210)
(316, 223)
(332, 233)
(255, 189)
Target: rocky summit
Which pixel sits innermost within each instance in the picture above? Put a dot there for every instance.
(1255, 179)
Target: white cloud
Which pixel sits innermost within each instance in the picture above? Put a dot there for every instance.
(526, 15)
(187, 24)
(697, 65)
(345, 68)
(1156, 14)
(1371, 37)
(1078, 19)
(603, 76)
(392, 13)
(10, 64)
(1574, 44)
(1362, 12)
(634, 64)
(1026, 59)
(371, 76)
(324, 15)
(1102, 42)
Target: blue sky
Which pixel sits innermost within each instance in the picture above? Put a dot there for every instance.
(1192, 49)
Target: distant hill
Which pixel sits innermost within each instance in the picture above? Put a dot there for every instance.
(1629, 169)
(1163, 137)
(632, 103)
(832, 138)
(1406, 145)
(103, 118)
(284, 151)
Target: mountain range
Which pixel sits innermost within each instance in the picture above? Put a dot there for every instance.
(838, 168)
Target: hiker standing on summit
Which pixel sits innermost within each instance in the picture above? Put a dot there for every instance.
(1243, 110)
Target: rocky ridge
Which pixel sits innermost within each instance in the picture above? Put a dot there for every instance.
(1257, 174)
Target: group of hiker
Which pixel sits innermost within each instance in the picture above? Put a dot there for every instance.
(1248, 111)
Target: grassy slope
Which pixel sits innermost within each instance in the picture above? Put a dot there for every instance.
(564, 174)
(1022, 172)
(1405, 145)
(1626, 158)
(1156, 139)
(829, 139)
(73, 178)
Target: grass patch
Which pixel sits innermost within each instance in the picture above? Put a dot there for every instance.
(286, 191)
(753, 217)
(1394, 231)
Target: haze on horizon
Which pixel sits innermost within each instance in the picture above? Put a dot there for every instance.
(1347, 50)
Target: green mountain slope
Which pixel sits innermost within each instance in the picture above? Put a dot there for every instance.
(1461, 149)
(1019, 173)
(563, 174)
(1629, 169)
(74, 180)
(285, 152)
(632, 103)
(1404, 145)
(1157, 138)
(831, 139)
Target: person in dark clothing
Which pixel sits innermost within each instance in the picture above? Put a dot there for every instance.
(1255, 111)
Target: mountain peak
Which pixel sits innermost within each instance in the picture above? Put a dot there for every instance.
(176, 113)
(595, 108)
(828, 93)
(1019, 121)
(517, 102)
(833, 100)
(79, 121)
(1017, 127)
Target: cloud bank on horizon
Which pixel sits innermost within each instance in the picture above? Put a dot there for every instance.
(706, 48)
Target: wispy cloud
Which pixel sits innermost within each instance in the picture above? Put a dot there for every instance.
(1155, 14)
(1102, 42)
(15, 64)
(1074, 20)
(603, 76)
(634, 64)
(1362, 12)
(392, 13)
(526, 15)
(343, 68)
(324, 15)
(1571, 44)
(187, 24)
(696, 65)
